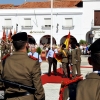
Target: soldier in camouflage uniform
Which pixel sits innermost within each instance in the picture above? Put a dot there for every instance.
(3, 49)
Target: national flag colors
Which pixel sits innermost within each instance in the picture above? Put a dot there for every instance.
(14, 31)
(4, 35)
(10, 35)
(58, 57)
(67, 40)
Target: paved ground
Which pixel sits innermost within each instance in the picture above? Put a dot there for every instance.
(52, 90)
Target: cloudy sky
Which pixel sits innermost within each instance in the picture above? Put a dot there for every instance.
(16, 2)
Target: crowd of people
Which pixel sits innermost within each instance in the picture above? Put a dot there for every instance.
(21, 72)
(84, 49)
(69, 57)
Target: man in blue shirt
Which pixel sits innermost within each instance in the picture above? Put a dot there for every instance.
(51, 60)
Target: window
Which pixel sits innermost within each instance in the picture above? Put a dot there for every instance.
(68, 22)
(97, 18)
(27, 22)
(47, 22)
(8, 22)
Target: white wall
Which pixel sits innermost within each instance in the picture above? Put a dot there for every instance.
(88, 14)
(18, 15)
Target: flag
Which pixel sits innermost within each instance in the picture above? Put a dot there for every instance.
(14, 31)
(10, 35)
(4, 35)
(7, 32)
(67, 40)
(58, 57)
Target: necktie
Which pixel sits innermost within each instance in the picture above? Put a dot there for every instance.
(32, 54)
(54, 54)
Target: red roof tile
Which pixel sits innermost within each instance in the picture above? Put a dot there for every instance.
(57, 4)
(6, 6)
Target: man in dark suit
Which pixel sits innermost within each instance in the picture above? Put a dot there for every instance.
(78, 59)
(89, 89)
(21, 69)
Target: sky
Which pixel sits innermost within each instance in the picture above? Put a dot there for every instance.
(17, 2)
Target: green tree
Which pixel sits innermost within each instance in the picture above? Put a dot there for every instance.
(82, 42)
(38, 50)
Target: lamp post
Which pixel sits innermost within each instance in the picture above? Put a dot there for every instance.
(51, 22)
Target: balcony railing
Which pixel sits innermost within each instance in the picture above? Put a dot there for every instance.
(67, 27)
(7, 27)
(27, 27)
(94, 26)
(46, 27)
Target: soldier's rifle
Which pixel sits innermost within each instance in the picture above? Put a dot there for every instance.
(20, 86)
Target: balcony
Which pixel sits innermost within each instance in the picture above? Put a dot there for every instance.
(67, 27)
(27, 27)
(7, 27)
(95, 25)
(46, 27)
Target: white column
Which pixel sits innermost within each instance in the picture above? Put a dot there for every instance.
(51, 22)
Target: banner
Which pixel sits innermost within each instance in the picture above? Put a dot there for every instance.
(67, 40)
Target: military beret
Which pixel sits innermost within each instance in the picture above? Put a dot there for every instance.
(95, 47)
(21, 36)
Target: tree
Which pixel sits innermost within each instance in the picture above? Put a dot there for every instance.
(82, 42)
(38, 50)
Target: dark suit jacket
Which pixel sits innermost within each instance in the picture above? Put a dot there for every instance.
(89, 89)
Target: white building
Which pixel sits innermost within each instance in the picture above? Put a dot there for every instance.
(35, 19)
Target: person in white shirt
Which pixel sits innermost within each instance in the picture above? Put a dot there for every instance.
(34, 53)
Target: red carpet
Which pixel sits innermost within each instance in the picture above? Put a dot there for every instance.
(86, 67)
(56, 79)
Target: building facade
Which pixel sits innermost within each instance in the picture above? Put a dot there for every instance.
(35, 19)
(91, 19)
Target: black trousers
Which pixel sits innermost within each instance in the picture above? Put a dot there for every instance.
(54, 62)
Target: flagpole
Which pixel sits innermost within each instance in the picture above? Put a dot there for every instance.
(51, 21)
